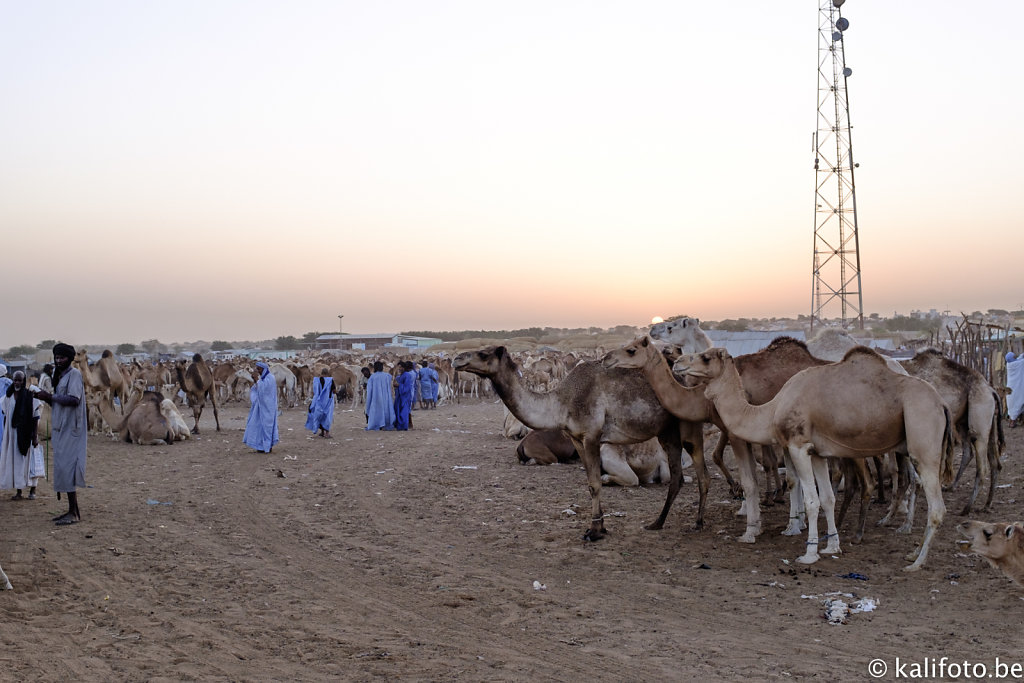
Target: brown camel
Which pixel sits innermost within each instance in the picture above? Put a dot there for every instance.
(142, 422)
(974, 406)
(690, 405)
(197, 382)
(856, 408)
(105, 376)
(594, 405)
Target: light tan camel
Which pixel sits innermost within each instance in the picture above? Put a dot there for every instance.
(196, 380)
(857, 408)
(683, 332)
(1001, 544)
(345, 380)
(105, 376)
(974, 406)
(594, 405)
(142, 422)
(286, 383)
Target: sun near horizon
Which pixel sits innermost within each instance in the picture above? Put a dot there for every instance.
(656, 319)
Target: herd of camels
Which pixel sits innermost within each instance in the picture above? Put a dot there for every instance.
(829, 406)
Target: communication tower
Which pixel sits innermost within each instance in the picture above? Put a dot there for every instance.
(836, 274)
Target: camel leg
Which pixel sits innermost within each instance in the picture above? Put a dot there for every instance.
(910, 499)
(6, 583)
(718, 457)
(216, 415)
(590, 454)
(671, 442)
(965, 458)
(801, 460)
(880, 476)
(936, 511)
(616, 469)
(797, 515)
(692, 433)
(994, 466)
(745, 461)
(827, 500)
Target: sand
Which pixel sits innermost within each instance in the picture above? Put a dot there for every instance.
(418, 556)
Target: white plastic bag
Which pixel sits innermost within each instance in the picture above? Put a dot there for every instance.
(36, 466)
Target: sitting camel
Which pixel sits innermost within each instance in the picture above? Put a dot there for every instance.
(594, 405)
(143, 421)
(197, 382)
(626, 465)
(856, 408)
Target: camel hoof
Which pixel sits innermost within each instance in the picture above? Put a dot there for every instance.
(905, 529)
(792, 531)
(912, 567)
(832, 549)
(748, 537)
(966, 511)
(698, 525)
(654, 526)
(809, 558)
(594, 535)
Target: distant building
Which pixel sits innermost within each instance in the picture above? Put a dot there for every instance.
(371, 342)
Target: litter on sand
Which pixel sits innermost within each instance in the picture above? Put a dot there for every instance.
(464, 467)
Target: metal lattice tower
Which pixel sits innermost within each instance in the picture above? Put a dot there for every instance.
(836, 274)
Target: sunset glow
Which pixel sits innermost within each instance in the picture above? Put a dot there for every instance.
(463, 165)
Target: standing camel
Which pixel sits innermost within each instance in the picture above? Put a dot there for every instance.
(856, 408)
(974, 406)
(595, 405)
(197, 382)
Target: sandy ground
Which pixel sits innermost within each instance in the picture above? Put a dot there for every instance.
(413, 556)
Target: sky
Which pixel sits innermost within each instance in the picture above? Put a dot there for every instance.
(246, 169)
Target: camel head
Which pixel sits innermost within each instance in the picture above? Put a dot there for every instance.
(486, 362)
(633, 355)
(705, 366)
(999, 543)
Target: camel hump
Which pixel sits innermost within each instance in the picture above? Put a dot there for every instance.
(197, 358)
(863, 354)
(106, 353)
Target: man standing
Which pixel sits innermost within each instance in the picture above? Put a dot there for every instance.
(321, 408)
(261, 426)
(69, 430)
(21, 414)
(380, 408)
(404, 395)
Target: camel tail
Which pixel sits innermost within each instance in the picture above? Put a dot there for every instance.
(946, 470)
(998, 419)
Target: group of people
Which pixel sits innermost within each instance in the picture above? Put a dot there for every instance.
(391, 400)
(21, 463)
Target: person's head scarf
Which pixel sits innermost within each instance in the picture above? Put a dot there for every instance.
(1010, 356)
(3, 370)
(63, 350)
(264, 369)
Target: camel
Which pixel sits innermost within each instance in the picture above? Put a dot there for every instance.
(594, 405)
(974, 407)
(345, 383)
(637, 464)
(832, 343)
(143, 422)
(690, 405)
(105, 376)
(683, 332)
(545, 447)
(286, 382)
(856, 408)
(512, 428)
(196, 381)
(1002, 545)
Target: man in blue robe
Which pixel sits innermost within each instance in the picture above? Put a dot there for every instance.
(404, 396)
(321, 408)
(429, 380)
(380, 409)
(261, 425)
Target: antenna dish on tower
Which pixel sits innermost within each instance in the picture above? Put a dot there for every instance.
(843, 24)
(838, 3)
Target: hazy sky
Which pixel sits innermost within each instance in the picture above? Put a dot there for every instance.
(245, 169)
